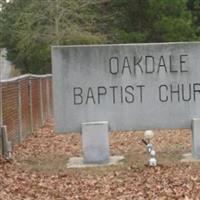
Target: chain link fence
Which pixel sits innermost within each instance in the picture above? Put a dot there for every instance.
(25, 104)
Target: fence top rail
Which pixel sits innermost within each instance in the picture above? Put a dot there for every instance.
(17, 78)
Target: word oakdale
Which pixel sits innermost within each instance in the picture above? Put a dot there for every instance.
(106, 82)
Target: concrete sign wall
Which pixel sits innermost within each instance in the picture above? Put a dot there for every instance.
(140, 86)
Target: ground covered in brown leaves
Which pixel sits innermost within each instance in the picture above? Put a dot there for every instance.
(38, 169)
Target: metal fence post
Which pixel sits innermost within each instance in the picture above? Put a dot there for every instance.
(19, 110)
(47, 95)
(30, 103)
(1, 89)
(1, 107)
(1, 102)
(1, 116)
(41, 103)
(50, 96)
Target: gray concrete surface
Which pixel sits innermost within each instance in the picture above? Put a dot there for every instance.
(95, 142)
(188, 158)
(133, 86)
(78, 162)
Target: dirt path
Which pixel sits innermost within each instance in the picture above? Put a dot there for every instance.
(38, 170)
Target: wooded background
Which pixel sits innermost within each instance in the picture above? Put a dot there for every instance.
(28, 28)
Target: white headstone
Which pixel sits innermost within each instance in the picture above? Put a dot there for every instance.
(95, 142)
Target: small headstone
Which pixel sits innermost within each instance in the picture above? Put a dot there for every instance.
(95, 142)
(196, 138)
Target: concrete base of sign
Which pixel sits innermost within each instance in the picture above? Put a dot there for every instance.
(196, 138)
(95, 142)
(189, 158)
(78, 162)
